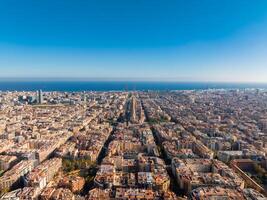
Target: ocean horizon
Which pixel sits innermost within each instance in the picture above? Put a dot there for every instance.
(78, 86)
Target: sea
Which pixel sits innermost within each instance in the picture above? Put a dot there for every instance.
(78, 86)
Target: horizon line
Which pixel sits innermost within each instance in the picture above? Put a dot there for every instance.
(124, 79)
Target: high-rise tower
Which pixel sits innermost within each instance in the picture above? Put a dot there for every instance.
(40, 97)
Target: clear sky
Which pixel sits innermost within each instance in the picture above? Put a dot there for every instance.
(178, 40)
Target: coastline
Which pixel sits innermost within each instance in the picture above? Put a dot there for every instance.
(79, 86)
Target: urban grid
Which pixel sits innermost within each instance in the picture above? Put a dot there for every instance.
(118, 145)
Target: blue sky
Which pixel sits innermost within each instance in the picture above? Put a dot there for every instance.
(178, 40)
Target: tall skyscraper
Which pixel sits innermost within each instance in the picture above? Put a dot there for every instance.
(40, 97)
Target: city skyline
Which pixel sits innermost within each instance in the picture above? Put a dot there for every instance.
(133, 99)
(134, 40)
